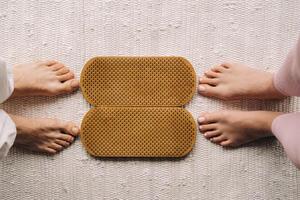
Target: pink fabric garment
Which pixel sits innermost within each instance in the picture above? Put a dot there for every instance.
(287, 79)
(286, 127)
(287, 130)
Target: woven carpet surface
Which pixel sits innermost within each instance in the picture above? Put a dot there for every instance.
(258, 33)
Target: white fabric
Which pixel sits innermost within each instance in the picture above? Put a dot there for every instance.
(8, 130)
(6, 81)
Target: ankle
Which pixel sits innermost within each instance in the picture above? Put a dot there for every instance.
(272, 89)
(22, 124)
(18, 89)
(265, 120)
(16, 93)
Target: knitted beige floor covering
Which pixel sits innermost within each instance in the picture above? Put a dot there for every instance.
(257, 33)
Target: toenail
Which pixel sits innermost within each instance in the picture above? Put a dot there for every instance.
(201, 119)
(75, 130)
(201, 88)
(200, 127)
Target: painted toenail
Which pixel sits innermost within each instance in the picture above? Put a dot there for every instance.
(201, 119)
(75, 130)
(201, 88)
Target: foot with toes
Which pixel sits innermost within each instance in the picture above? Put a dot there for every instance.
(44, 135)
(234, 128)
(44, 78)
(231, 81)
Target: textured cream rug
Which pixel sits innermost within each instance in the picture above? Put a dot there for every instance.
(257, 32)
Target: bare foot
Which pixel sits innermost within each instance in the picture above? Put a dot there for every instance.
(44, 135)
(234, 128)
(230, 81)
(43, 78)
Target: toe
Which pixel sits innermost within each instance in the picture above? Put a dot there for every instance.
(69, 86)
(217, 91)
(219, 68)
(57, 66)
(210, 81)
(211, 134)
(48, 150)
(62, 71)
(69, 128)
(62, 143)
(65, 77)
(211, 74)
(225, 143)
(207, 127)
(66, 137)
(55, 146)
(227, 65)
(208, 90)
(48, 62)
(207, 118)
(218, 139)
